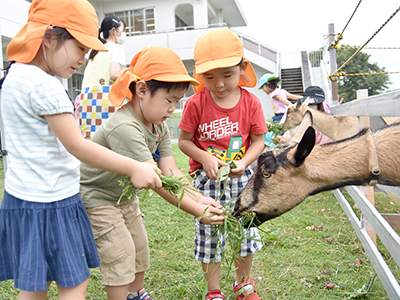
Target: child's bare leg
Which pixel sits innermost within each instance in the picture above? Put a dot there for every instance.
(212, 272)
(24, 295)
(73, 293)
(117, 292)
(137, 284)
(243, 267)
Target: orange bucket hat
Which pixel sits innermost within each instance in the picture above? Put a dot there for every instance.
(77, 16)
(220, 48)
(157, 63)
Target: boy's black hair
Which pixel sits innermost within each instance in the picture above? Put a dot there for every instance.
(241, 61)
(155, 85)
(108, 23)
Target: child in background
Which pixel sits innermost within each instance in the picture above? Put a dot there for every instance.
(45, 232)
(102, 69)
(155, 82)
(269, 83)
(317, 101)
(221, 123)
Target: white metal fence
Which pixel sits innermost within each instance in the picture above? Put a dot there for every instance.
(382, 105)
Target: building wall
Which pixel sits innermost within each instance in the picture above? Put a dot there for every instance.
(165, 10)
(183, 41)
(13, 17)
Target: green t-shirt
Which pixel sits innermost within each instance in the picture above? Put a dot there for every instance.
(125, 134)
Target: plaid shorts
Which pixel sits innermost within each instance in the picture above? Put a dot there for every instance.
(209, 247)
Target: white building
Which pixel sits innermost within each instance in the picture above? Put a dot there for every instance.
(176, 24)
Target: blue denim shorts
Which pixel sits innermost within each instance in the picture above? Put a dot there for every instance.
(42, 242)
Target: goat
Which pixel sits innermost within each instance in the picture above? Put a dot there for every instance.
(288, 174)
(335, 127)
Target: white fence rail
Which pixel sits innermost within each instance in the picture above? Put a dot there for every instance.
(382, 105)
(388, 236)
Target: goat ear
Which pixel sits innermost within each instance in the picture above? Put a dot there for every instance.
(305, 146)
(298, 104)
(305, 123)
(284, 117)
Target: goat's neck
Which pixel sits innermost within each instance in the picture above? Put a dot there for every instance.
(338, 164)
(332, 126)
(322, 121)
(349, 162)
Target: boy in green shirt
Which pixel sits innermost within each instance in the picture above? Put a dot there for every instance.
(155, 82)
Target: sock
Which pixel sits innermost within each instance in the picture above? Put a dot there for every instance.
(132, 295)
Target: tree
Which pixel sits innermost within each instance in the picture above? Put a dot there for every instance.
(348, 85)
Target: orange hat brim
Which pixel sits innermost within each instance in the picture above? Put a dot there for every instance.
(26, 43)
(88, 41)
(248, 79)
(150, 63)
(30, 37)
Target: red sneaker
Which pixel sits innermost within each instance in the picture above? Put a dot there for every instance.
(245, 289)
(215, 295)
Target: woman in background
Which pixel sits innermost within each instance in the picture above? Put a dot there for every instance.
(103, 68)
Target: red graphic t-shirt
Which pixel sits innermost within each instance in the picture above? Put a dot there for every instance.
(222, 132)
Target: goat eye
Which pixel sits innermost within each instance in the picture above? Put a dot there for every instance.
(266, 175)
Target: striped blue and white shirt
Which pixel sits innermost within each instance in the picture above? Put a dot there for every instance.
(39, 168)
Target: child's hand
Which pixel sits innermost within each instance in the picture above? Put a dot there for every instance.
(210, 166)
(239, 170)
(145, 176)
(212, 216)
(208, 201)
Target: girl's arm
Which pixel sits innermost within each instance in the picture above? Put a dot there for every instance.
(193, 202)
(293, 96)
(210, 163)
(64, 125)
(256, 146)
(282, 99)
(115, 70)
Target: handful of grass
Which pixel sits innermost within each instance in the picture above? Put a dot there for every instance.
(233, 228)
(277, 130)
(176, 186)
(235, 232)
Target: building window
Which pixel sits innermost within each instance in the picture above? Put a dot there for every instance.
(184, 18)
(137, 21)
(179, 23)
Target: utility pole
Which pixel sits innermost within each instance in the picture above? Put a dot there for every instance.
(333, 64)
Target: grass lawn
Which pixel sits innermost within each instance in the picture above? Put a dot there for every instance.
(295, 262)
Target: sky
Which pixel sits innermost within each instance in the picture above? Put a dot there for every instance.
(301, 25)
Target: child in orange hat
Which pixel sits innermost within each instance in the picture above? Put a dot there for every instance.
(45, 231)
(221, 123)
(154, 83)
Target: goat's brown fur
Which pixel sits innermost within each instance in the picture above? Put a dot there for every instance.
(335, 127)
(287, 174)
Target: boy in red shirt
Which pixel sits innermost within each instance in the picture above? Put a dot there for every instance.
(223, 122)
